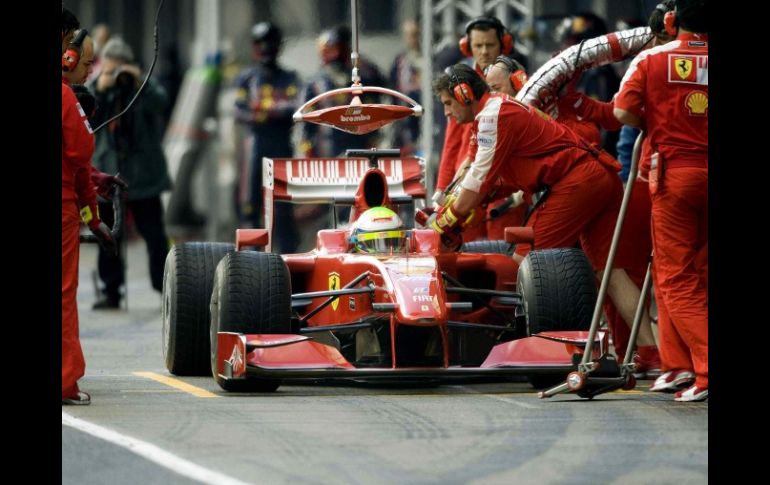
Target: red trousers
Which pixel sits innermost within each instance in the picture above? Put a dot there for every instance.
(581, 207)
(494, 229)
(73, 364)
(680, 240)
(510, 218)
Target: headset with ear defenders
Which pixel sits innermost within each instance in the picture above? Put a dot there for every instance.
(71, 57)
(518, 76)
(671, 23)
(461, 91)
(505, 37)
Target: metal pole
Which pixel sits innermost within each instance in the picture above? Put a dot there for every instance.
(426, 124)
(635, 153)
(355, 78)
(584, 365)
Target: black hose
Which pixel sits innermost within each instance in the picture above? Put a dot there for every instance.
(147, 78)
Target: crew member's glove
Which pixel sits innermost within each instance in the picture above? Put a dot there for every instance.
(90, 216)
(105, 183)
(447, 224)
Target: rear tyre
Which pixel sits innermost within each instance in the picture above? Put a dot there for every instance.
(495, 247)
(188, 277)
(252, 294)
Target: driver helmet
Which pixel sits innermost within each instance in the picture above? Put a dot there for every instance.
(378, 230)
(266, 42)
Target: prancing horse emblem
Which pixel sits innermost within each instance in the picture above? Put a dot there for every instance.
(334, 284)
(683, 67)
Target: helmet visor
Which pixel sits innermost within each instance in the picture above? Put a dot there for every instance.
(382, 241)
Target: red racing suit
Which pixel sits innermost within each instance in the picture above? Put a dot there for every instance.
(668, 86)
(77, 149)
(528, 150)
(584, 116)
(458, 143)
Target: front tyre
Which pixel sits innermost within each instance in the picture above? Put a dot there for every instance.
(188, 277)
(252, 295)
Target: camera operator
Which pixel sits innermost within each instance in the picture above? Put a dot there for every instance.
(131, 145)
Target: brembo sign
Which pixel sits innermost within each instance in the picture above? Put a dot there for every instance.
(353, 115)
(336, 171)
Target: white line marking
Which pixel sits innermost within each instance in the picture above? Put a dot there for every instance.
(151, 452)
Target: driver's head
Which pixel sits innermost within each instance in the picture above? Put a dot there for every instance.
(266, 42)
(378, 230)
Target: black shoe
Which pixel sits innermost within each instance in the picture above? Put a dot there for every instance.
(106, 303)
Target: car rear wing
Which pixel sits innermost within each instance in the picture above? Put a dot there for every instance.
(336, 180)
(339, 180)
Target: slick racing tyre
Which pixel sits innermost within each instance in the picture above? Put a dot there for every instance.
(188, 277)
(252, 295)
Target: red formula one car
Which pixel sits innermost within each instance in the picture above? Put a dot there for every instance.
(253, 319)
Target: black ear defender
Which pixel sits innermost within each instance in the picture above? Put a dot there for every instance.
(461, 91)
(71, 57)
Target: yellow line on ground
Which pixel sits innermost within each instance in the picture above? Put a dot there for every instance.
(176, 383)
(150, 391)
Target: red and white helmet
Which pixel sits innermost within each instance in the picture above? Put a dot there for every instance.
(378, 230)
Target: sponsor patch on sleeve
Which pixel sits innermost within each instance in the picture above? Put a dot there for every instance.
(485, 141)
(80, 110)
(487, 134)
(688, 69)
(487, 123)
(88, 127)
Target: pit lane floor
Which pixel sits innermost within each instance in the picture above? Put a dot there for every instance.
(460, 432)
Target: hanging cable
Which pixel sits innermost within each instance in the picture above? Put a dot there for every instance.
(354, 56)
(147, 78)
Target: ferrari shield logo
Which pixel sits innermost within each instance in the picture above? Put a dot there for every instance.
(683, 67)
(334, 284)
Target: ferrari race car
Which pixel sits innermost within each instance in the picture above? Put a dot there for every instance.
(254, 319)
